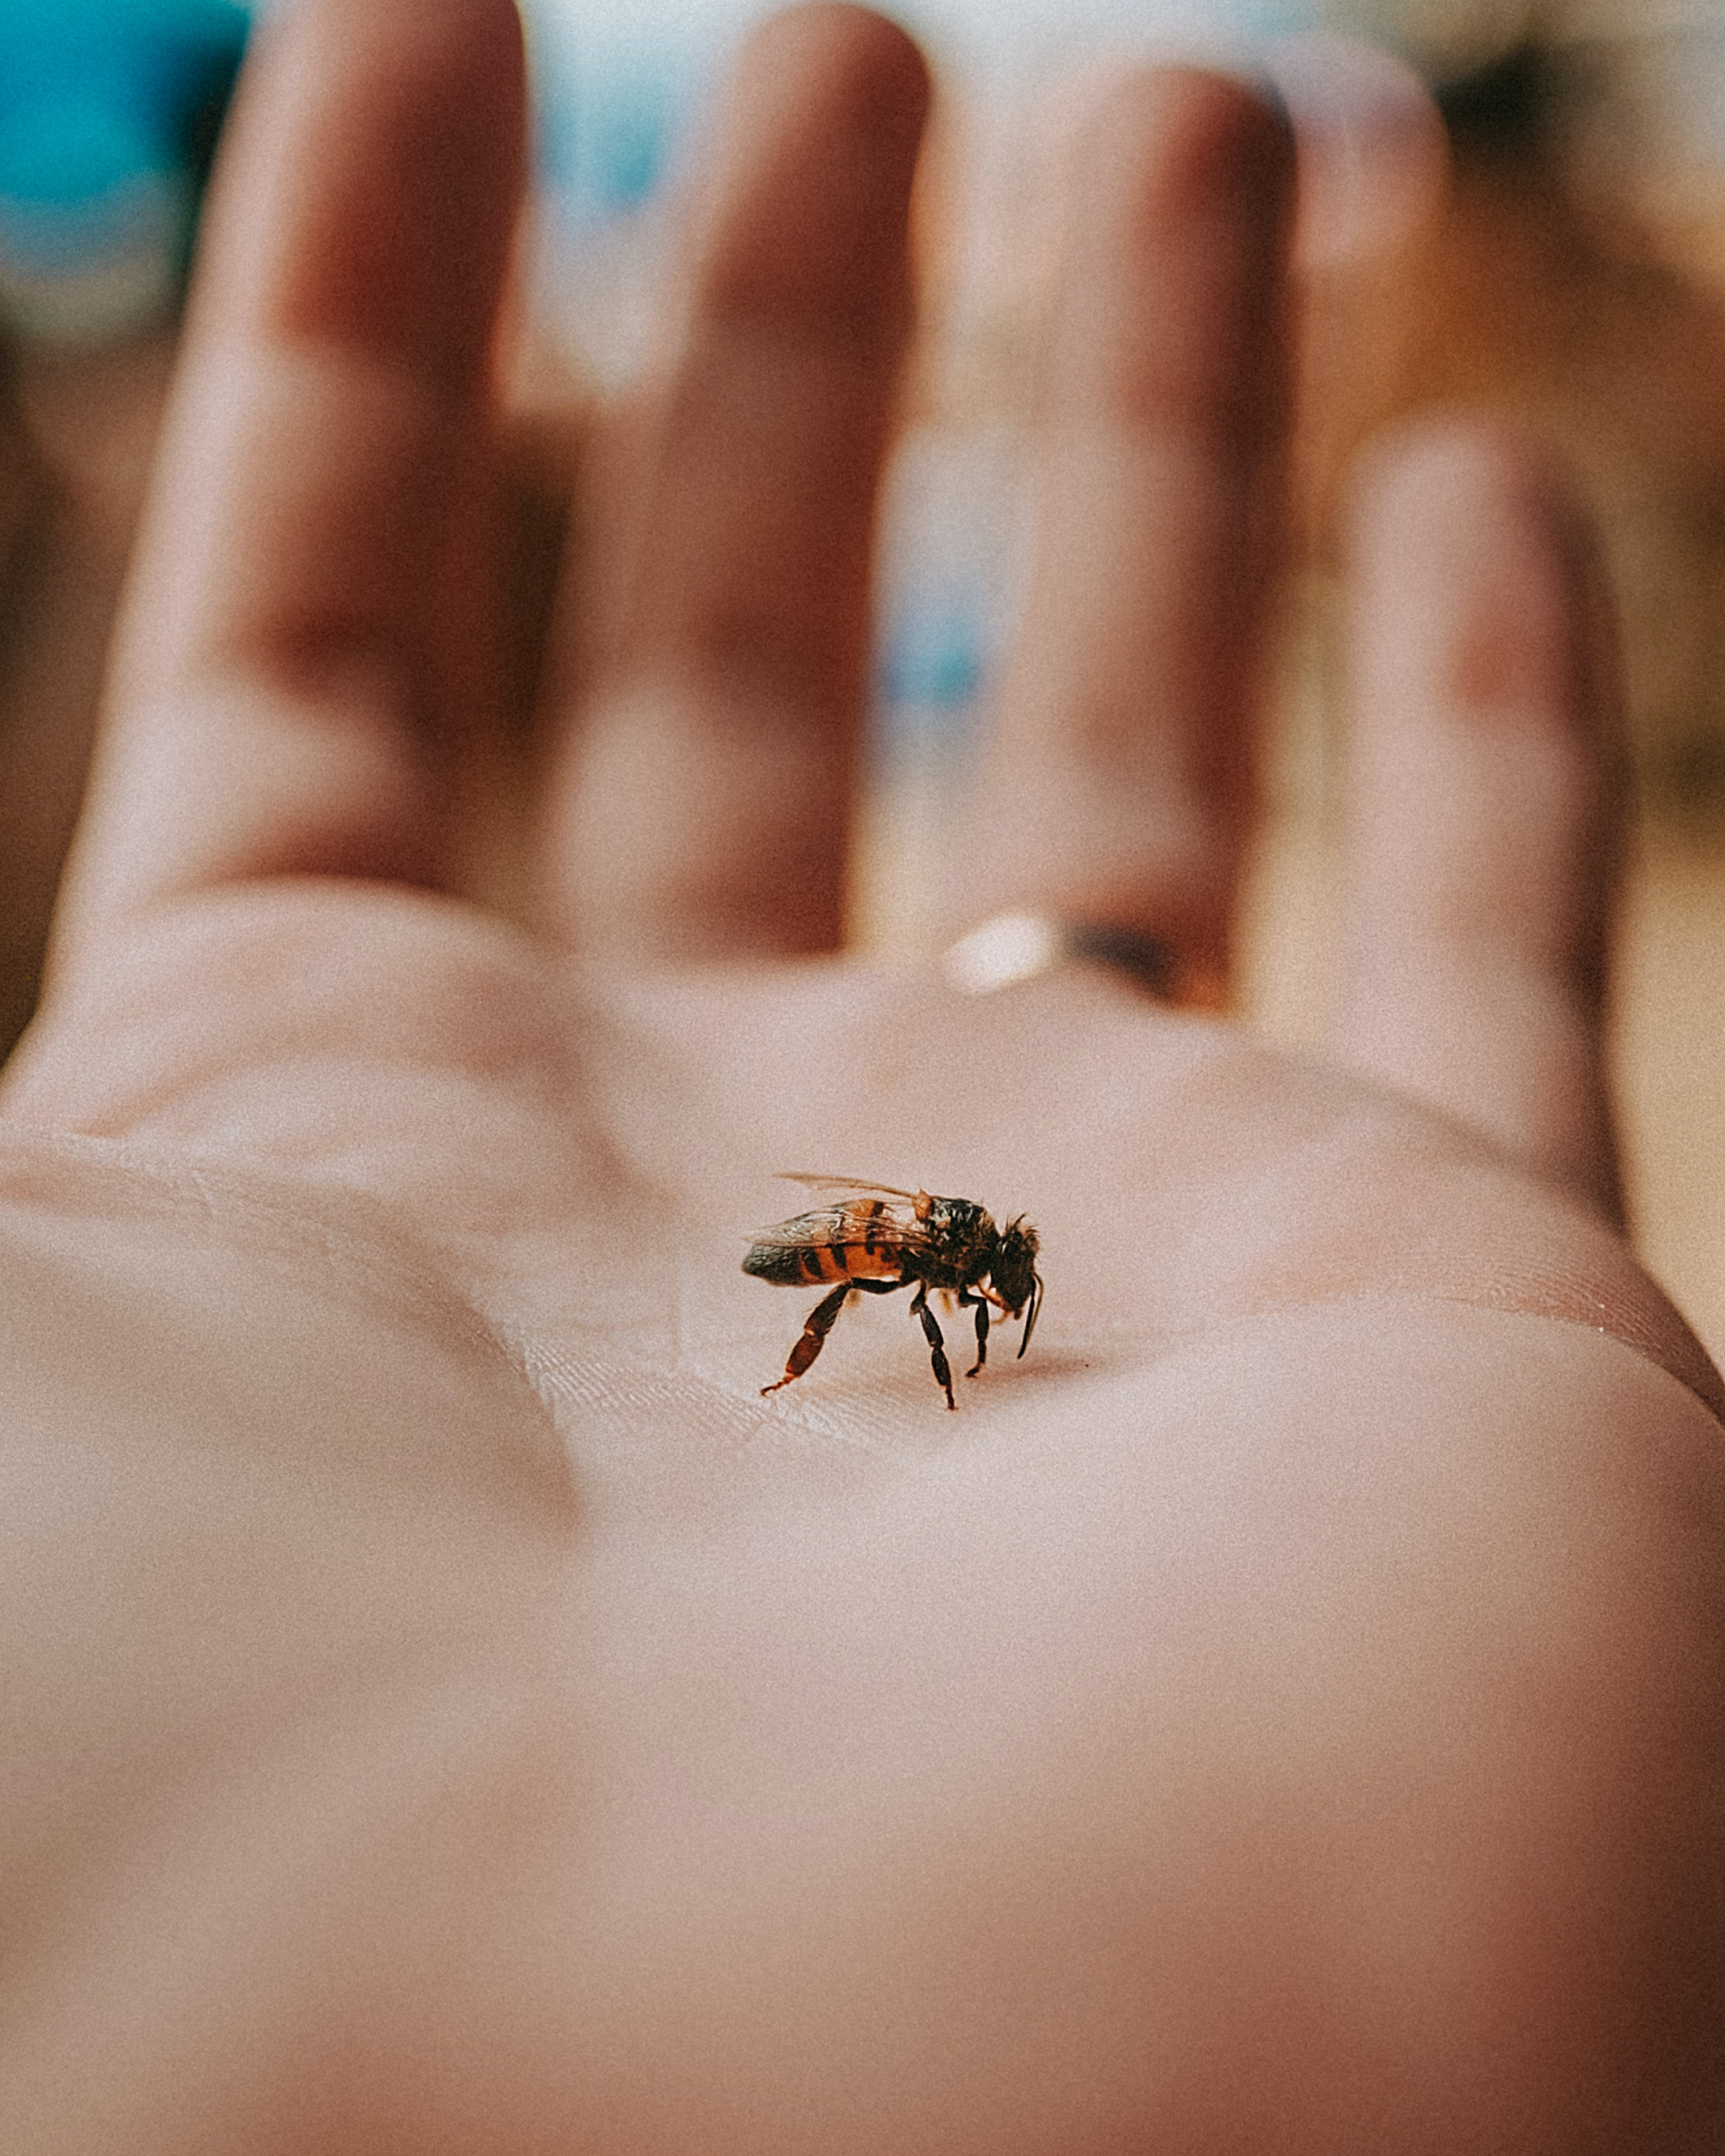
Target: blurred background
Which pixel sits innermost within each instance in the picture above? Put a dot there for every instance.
(1505, 203)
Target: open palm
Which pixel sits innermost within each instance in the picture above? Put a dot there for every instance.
(451, 1707)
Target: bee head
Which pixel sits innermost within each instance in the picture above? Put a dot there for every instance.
(1016, 1279)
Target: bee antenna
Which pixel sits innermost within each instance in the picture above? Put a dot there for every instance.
(1036, 1305)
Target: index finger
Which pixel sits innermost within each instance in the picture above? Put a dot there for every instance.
(282, 680)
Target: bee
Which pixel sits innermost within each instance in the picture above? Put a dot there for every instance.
(880, 1240)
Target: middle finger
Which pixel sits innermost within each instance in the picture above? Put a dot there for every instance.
(701, 798)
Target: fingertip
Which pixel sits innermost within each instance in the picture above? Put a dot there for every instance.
(1477, 569)
(872, 68)
(1190, 175)
(368, 192)
(1197, 136)
(1482, 829)
(1454, 465)
(1374, 157)
(825, 86)
(866, 55)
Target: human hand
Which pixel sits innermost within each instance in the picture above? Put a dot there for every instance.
(447, 1707)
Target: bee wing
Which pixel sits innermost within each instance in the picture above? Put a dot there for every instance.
(846, 1227)
(848, 1182)
(803, 1229)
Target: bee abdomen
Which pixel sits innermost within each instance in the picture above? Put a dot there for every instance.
(796, 1264)
(810, 1264)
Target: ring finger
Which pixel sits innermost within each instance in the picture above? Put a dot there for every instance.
(1115, 789)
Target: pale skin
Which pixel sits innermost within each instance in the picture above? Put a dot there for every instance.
(446, 1708)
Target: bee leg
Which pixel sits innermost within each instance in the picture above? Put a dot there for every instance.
(936, 1340)
(979, 1304)
(813, 1338)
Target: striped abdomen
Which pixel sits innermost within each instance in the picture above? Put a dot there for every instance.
(809, 1263)
(861, 1241)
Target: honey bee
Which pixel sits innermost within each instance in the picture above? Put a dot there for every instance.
(880, 1240)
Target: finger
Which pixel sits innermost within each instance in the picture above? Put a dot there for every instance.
(703, 802)
(284, 670)
(1482, 825)
(1116, 785)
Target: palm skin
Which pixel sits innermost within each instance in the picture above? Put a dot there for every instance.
(449, 1709)
(483, 1672)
